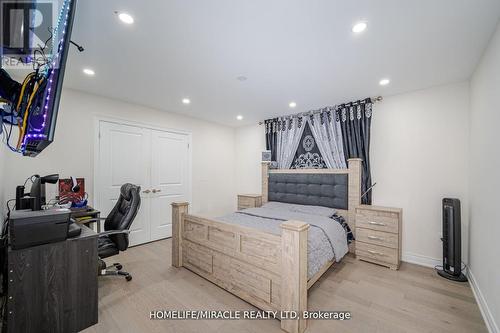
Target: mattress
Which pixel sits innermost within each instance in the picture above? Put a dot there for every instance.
(327, 239)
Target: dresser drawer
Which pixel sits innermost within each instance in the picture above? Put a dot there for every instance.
(246, 202)
(377, 237)
(378, 213)
(377, 222)
(377, 253)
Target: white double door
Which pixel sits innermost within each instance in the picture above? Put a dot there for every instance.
(158, 161)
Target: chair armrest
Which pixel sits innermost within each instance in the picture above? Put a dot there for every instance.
(113, 232)
(95, 219)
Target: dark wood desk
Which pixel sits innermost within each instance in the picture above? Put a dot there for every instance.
(53, 287)
(80, 215)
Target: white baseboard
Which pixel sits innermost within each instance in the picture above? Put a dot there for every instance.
(418, 259)
(481, 302)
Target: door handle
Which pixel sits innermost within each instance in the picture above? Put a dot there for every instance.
(156, 191)
(146, 191)
(377, 223)
(376, 253)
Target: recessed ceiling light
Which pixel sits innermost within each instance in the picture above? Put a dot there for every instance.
(359, 27)
(126, 18)
(88, 71)
(239, 117)
(384, 82)
(292, 105)
(186, 101)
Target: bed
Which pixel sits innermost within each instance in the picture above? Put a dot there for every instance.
(326, 241)
(270, 255)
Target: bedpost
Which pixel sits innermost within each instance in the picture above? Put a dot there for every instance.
(294, 274)
(178, 211)
(355, 169)
(265, 181)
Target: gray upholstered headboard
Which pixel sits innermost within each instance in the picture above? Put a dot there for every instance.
(318, 189)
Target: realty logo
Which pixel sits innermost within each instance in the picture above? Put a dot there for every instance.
(26, 31)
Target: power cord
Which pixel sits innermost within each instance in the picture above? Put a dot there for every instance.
(79, 47)
(6, 220)
(30, 178)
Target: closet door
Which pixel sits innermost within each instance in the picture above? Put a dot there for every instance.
(170, 172)
(124, 157)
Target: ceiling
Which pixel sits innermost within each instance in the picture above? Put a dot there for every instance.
(290, 50)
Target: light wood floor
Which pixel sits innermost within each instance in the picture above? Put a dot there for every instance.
(413, 299)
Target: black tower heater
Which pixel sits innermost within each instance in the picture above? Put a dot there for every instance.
(452, 241)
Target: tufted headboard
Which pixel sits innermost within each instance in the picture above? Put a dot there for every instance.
(316, 189)
(334, 188)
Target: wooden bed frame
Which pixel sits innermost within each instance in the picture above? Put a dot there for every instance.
(268, 271)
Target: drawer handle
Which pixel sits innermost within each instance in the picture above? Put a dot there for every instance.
(375, 238)
(376, 253)
(377, 223)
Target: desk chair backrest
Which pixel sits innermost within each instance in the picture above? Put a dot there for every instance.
(123, 214)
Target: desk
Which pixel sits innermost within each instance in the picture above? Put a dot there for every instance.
(53, 287)
(80, 215)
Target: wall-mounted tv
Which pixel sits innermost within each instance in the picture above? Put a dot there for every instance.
(33, 105)
(42, 116)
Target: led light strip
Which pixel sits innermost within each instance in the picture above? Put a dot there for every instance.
(65, 8)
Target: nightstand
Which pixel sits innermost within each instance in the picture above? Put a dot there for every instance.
(249, 201)
(378, 235)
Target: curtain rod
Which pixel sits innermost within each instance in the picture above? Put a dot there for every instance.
(373, 99)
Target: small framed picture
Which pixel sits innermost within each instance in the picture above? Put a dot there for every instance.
(266, 156)
(66, 193)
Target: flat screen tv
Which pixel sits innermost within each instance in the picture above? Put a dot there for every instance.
(42, 114)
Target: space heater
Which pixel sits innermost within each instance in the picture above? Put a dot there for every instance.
(452, 241)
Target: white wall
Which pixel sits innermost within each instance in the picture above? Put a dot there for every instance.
(72, 152)
(485, 181)
(419, 156)
(250, 143)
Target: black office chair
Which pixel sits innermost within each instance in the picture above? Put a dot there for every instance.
(116, 229)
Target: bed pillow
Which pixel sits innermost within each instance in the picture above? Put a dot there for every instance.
(302, 209)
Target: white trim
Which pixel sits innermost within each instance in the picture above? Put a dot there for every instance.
(123, 121)
(421, 260)
(483, 306)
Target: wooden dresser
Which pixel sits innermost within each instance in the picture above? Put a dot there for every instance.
(378, 235)
(249, 201)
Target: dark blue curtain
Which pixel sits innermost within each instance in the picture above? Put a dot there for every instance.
(355, 119)
(271, 136)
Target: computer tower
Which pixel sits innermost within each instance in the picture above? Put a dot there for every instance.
(452, 241)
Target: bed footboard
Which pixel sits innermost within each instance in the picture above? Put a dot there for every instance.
(268, 271)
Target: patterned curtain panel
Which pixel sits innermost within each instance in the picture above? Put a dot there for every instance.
(355, 120)
(289, 133)
(327, 132)
(308, 155)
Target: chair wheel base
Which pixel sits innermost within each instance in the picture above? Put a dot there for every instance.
(115, 269)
